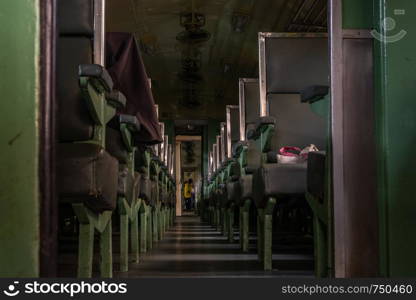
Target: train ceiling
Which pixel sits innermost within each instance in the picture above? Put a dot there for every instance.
(195, 51)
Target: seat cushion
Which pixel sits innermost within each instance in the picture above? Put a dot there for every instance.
(316, 174)
(88, 174)
(115, 146)
(274, 180)
(74, 120)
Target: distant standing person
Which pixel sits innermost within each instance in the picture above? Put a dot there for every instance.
(192, 196)
(187, 194)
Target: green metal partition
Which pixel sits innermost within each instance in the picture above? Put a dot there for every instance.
(396, 134)
(19, 138)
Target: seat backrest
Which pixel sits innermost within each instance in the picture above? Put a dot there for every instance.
(224, 141)
(235, 125)
(249, 94)
(290, 64)
(74, 47)
(296, 124)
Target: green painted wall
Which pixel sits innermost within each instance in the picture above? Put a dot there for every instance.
(395, 72)
(396, 128)
(19, 195)
(357, 14)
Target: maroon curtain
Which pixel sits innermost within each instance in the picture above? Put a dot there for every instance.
(125, 65)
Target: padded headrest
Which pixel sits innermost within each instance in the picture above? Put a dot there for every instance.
(235, 125)
(252, 101)
(76, 17)
(294, 63)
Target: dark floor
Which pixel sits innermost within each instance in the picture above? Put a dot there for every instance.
(193, 249)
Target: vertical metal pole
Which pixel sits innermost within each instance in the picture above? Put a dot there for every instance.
(214, 152)
(242, 104)
(262, 74)
(99, 32)
(228, 115)
(336, 60)
(161, 146)
(223, 141)
(219, 147)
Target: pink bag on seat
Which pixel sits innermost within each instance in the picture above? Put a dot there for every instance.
(294, 155)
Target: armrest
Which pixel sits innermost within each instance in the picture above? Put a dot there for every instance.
(238, 147)
(156, 159)
(131, 122)
(128, 125)
(149, 149)
(229, 161)
(116, 99)
(101, 79)
(314, 93)
(261, 123)
(272, 157)
(250, 169)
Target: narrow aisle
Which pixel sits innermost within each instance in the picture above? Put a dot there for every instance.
(193, 249)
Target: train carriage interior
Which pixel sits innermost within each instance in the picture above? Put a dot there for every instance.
(190, 138)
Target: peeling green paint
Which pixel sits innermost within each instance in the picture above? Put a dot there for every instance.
(19, 138)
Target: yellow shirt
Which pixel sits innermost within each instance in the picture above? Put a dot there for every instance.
(187, 190)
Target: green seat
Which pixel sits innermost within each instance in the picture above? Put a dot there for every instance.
(120, 131)
(87, 174)
(291, 65)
